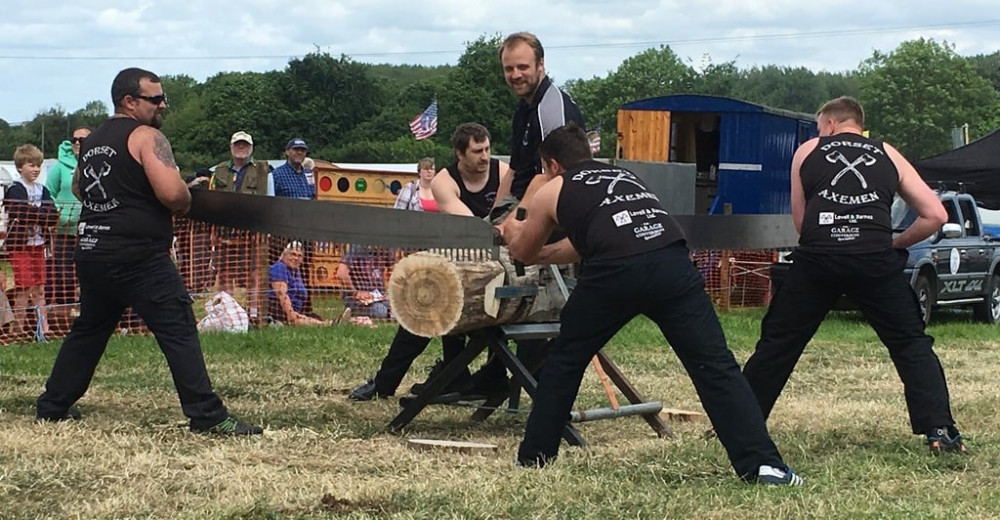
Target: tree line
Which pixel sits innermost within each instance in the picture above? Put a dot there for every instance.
(349, 111)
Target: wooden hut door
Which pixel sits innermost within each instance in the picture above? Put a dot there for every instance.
(643, 135)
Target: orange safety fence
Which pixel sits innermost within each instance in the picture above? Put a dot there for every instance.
(237, 279)
(737, 278)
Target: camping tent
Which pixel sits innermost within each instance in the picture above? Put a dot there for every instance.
(976, 165)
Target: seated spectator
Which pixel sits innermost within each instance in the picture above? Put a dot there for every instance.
(362, 274)
(287, 296)
(31, 213)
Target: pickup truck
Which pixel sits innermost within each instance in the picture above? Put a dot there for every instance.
(955, 267)
(958, 265)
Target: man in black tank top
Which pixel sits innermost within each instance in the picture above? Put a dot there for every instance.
(635, 261)
(467, 186)
(129, 186)
(842, 187)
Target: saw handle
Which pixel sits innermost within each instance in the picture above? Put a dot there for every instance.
(519, 214)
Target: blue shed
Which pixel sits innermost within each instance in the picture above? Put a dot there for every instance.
(743, 151)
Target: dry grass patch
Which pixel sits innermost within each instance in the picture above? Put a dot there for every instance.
(841, 423)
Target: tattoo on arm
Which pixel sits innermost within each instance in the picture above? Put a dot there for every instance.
(161, 147)
(75, 185)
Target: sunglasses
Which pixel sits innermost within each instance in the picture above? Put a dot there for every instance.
(77, 140)
(156, 100)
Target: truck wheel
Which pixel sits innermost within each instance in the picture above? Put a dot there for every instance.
(925, 297)
(989, 310)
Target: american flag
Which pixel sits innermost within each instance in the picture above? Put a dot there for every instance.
(425, 124)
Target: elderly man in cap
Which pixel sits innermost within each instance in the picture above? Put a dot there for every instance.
(241, 173)
(234, 248)
(292, 179)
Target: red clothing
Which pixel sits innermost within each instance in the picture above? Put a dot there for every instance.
(429, 205)
(28, 264)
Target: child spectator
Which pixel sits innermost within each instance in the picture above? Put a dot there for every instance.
(30, 212)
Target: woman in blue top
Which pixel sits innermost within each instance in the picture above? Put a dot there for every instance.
(288, 292)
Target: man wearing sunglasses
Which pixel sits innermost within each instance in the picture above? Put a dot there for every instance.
(129, 186)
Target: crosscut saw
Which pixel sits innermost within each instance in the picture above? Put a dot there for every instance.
(389, 227)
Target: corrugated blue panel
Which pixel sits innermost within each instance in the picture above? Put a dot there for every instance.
(739, 154)
(755, 157)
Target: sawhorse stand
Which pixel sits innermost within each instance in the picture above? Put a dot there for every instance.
(495, 339)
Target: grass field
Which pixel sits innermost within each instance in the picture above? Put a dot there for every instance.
(841, 424)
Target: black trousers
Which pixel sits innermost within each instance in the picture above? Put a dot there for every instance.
(664, 286)
(61, 272)
(406, 347)
(154, 289)
(876, 284)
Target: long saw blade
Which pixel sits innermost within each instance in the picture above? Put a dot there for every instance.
(389, 227)
(340, 222)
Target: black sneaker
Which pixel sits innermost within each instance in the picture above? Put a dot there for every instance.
(230, 426)
(945, 440)
(366, 392)
(772, 476)
(72, 414)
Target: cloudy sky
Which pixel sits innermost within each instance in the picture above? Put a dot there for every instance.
(66, 53)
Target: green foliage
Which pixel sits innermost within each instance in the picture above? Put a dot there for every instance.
(402, 75)
(798, 89)
(988, 66)
(402, 149)
(327, 97)
(50, 128)
(475, 91)
(651, 73)
(916, 94)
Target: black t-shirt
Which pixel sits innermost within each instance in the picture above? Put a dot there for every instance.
(849, 182)
(548, 110)
(121, 219)
(609, 213)
(481, 201)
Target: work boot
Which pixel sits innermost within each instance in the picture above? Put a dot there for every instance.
(366, 392)
(72, 414)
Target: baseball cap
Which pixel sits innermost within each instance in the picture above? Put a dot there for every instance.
(241, 136)
(296, 143)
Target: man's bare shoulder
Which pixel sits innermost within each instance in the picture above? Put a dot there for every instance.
(443, 180)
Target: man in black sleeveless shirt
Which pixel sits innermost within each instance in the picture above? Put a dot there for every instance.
(842, 187)
(468, 186)
(634, 262)
(129, 186)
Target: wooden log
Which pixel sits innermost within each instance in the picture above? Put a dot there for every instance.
(674, 414)
(433, 295)
(467, 448)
